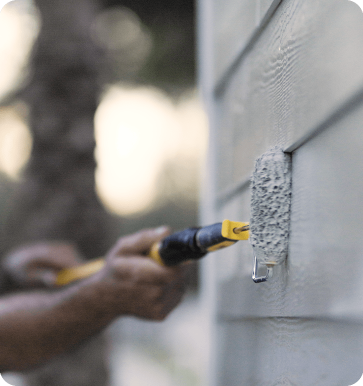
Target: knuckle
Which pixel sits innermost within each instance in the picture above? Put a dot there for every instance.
(161, 318)
(159, 313)
(126, 273)
(119, 245)
(156, 294)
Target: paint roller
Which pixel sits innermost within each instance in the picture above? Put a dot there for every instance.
(188, 244)
(268, 229)
(270, 210)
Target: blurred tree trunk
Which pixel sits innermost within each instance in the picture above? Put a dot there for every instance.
(57, 199)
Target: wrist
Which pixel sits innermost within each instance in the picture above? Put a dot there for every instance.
(87, 300)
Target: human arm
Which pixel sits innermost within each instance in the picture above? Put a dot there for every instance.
(37, 265)
(37, 325)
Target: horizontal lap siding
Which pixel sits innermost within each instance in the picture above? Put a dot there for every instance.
(235, 22)
(322, 277)
(300, 86)
(289, 352)
(265, 7)
(234, 25)
(305, 65)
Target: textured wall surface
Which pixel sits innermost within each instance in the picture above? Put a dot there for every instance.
(295, 80)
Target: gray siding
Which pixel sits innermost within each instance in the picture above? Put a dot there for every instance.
(289, 352)
(305, 65)
(295, 79)
(235, 25)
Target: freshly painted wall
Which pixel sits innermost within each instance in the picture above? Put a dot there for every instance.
(286, 73)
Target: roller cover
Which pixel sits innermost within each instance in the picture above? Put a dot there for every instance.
(270, 207)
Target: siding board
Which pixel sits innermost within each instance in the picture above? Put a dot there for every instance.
(265, 7)
(294, 80)
(322, 276)
(288, 351)
(235, 22)
(304, 66)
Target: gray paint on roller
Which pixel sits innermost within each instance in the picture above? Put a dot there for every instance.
(270, 206)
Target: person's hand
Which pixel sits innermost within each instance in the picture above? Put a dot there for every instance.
(132, 284)
(37, 265)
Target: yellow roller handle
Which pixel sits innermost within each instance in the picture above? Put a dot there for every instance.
(191, 243)
(66, 276)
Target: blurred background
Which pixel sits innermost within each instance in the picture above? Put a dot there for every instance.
(102, 133)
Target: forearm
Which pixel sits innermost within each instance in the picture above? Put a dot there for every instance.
(36, 326)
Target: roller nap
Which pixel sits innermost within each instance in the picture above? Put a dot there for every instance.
(270, 207)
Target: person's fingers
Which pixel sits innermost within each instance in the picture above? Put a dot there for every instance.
(140, 242)
(144, 270)
(168, 298)
(57, 255)
(174, 294)
(171, 294)
(38, 264)
(62, 255)
(43, 277)
(138, 286)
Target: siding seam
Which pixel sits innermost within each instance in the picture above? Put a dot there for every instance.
(224, 80)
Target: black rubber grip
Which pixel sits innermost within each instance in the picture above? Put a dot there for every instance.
(180, 246)
(209, 236)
